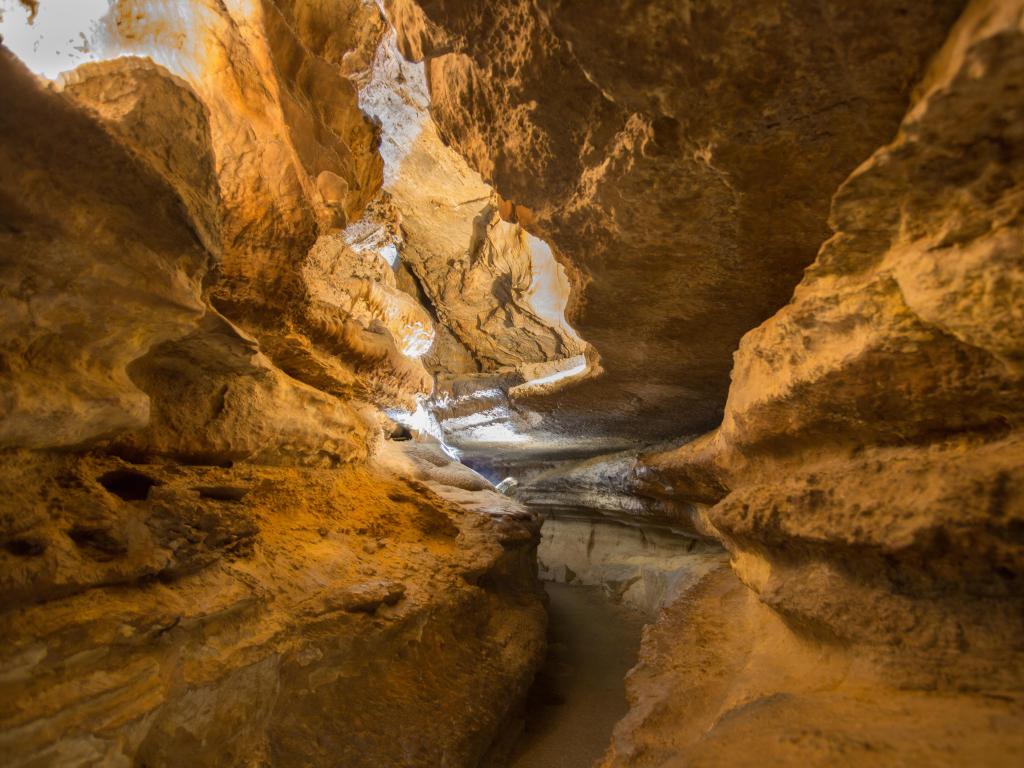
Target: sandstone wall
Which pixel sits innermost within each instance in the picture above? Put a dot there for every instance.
(870, 440)
(865, 476)
(231, 248)
(867, 470)
(176, 615)
(201, 561)
(678, 157)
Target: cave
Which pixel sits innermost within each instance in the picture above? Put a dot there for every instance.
(512, 383)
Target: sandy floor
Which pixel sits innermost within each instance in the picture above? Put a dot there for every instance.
(580, 693)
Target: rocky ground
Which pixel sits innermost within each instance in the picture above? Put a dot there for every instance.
(722, 680)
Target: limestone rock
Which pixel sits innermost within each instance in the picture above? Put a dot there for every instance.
(216, 399)
(868, 355)
(907, 554)
(270, 265)
(90, 222)
(219, 616)
(658, 146)
(604, 485)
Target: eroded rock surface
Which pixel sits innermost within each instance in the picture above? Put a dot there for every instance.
(74, 240)
(873, 406)
(722, 680)
(231, 616)
(256, 252)
(867, 470)
(864, 475)
(212, 569)
(657, 147)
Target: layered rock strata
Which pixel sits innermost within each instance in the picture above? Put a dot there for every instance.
(679, 158)
(871, 440)
(175, 615)
(865, 474)
(723, 680)
(202, 563)
(226, 261)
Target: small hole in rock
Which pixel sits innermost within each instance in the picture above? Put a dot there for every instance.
(221, 492)
(127, 484)
(400, 432)
(25, 547)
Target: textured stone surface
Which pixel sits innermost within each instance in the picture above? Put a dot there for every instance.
(678, 157)
(496, 292)
(296, 161)
(475, 269)
(213, 616)
(867, 470)
(240, 275)
(209, 571)
(723, 681)
(216, 399)
(605, 485)
(882, 349)
(73, 239)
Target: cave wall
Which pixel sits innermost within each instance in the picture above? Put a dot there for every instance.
(864, 475)
(880, 409)
(658, 147)
(210, 553)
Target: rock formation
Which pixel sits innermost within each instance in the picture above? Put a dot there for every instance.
(677, 138)
(733, 292)
(863, 477)
(209, 556)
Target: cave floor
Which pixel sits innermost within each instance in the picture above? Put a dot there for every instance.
(579, 694)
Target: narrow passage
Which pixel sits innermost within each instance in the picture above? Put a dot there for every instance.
(579, 695)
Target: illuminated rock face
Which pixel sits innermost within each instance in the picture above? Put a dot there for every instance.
(75, 241)
(903, 475)
(865, 474)
(208, 555)
(254, 264)
(496, 291)
(167, 614)
(680, 158)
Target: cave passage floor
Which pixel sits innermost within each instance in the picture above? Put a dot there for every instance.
(579, 694)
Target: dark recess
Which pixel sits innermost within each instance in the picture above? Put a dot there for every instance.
(127, 484)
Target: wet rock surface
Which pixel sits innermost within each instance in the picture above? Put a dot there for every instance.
(641, 566)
